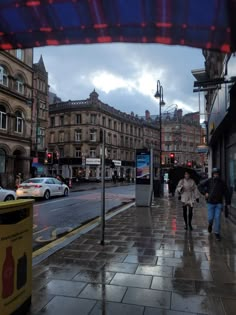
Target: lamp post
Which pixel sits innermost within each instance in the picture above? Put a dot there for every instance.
(159, 95)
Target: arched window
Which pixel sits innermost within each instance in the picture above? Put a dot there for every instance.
(3, 76)
(3, 117)
(19, 123)
(2, 161)
(20, 84)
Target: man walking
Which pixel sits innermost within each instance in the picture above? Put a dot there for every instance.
(215, 190)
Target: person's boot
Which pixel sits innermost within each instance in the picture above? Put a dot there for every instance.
(185, 217)
(190, 216)
(210, 226)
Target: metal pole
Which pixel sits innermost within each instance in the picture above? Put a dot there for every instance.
(37, 126)
(160, 144)
(103, 190)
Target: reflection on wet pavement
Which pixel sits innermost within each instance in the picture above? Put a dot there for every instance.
(149, 265)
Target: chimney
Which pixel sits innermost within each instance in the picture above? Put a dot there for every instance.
(179, 113)
(147, 114)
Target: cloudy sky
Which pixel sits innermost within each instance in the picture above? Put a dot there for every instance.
(124, 75)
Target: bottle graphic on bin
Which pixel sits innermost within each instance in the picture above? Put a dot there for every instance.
(8, 274)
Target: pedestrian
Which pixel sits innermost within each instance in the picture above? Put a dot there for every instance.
(18, 180)
(188, 194)
(215, 191)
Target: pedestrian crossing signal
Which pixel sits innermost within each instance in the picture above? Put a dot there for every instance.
(172, 158)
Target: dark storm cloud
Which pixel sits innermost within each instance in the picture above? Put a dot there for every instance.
(124, 75)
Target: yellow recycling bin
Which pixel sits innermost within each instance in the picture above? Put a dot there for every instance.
(16, 222)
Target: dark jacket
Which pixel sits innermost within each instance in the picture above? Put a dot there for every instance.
(217, 190)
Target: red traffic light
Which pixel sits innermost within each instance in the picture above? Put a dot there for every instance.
(49, 155)
(172, 155)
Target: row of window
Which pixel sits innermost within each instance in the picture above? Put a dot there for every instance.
(182, 138)
(93, 136)
(176, 147)
(19, 82)
(94, 119)
(110, 154)
(19, 120)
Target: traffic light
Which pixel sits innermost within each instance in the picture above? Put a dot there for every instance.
(55, 157)
(49, 157)
(189, 163)
(172, 158)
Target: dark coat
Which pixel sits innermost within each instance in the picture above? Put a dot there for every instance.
(216, 189)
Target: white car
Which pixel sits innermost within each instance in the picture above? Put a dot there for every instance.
(7, 195)
(42, 187)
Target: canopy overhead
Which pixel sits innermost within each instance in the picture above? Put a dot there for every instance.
(33, 23)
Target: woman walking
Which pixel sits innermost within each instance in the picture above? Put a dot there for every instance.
(188, 194)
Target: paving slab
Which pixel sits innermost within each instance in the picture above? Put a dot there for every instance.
(148, 265)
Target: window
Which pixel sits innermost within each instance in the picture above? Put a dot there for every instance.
(20, 54)
(78, 135)
(41, 137)
(19, 122)
(52, 121)
(127, 128)
(114, 154)
(115, 140)
(3, 117)
(61, 136)
(93, 118)
(109, 123)
(104, 121)
(52, 137)
(131, 130)
(19, 84)
(61, 152)
(126, 141)
(93, 135)
(109, 138)
(168, 137)
(78, 119)
(92, 152)
(2, 161)
(122, 141)
(61, 120)
(3, 76)
(115, 125)
(78, 152)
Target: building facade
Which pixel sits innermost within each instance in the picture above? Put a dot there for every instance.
(16, 79)
(221, 112)
(39, 117)
(181, 136)
(74, 139)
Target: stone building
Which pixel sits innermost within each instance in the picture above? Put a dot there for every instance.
(39, 117)
(74, 138)
(16, 78)
(217, 81)
(181, 135)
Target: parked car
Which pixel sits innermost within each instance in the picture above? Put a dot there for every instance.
(7, 194)
(42, 187)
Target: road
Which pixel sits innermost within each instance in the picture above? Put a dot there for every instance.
(58, 216)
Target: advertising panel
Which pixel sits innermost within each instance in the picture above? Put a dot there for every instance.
(15, 256)
(143, 167)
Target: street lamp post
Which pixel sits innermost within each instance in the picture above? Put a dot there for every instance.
(159, 95)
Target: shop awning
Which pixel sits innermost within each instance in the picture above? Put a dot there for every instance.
(198, 23)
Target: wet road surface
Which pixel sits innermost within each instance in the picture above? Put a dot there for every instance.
(59, 216)
(149, 265)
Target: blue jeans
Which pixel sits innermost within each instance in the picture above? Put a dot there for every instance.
(214, 214)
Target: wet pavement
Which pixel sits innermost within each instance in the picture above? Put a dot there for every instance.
(149, 265)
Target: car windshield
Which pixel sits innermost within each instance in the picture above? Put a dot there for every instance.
(34, 181)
